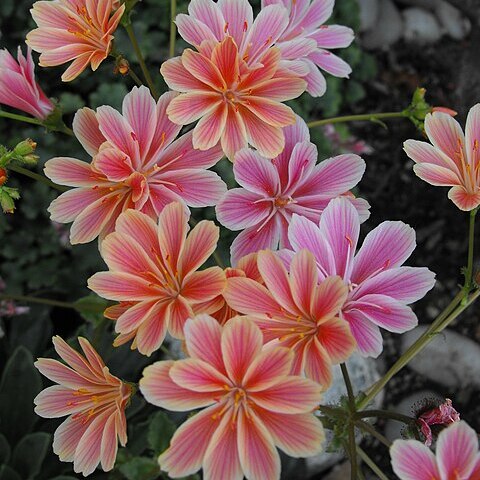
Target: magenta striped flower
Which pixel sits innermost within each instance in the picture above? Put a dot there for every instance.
(94, 401)
(253, 403)
(380, 288)
(274, 190)
(137, 164)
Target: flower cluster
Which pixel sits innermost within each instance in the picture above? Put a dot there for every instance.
(262, 337)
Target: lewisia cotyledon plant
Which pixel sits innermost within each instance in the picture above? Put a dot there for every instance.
(78, 30)
(254, 404)
(137, 163)
(234, 104)
(273, 190)
(379, 287)
(153, 273)
(94, 401)
(296, 311)
(306, 42)
(453, 159)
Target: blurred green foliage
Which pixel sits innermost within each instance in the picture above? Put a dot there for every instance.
(36, 259)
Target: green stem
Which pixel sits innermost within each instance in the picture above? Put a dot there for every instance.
(21, 118)
(414, 349)
(471, 239)
(141, 60)
(352, 444)
(43, 301)
(366, 427)
(371, 464)
(135, 77)
(36, 176)
(354, 118)
(385, 414)
(173, 28)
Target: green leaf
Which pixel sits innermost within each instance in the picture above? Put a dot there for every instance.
(140, 468)
(34, 447)
(4, 450)
(7, 473)
(91, 308)
(160, 432)
(20, 384)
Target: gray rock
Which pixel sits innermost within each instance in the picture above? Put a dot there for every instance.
(388, 28)
(450, 359)
(452, 20)
(368, 14)
(421, 27)
(393, 429)
(428, 4)
(363, 372)
(340, 472)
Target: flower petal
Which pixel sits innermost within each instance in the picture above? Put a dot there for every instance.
(457, 450)
(241, 344)
(159, 389)
(258, 456)
(412, 460)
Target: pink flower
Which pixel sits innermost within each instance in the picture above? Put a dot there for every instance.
(94, 401)
(454, 158)
(136, 164)
(457, 456)
(236, 105)
(273, 190)
(444, 414)
(295, 311)
(379, 287)
(18, 88)
(153, 272)
(78, 30)
(208, 23)
(253, 403)
(295, 27)
(306, 42)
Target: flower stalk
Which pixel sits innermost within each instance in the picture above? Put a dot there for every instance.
(141, 60)
(369, 117)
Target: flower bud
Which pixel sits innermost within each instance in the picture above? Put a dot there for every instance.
(438, 416)
(6, 202)
(26, 147)
(122, 67)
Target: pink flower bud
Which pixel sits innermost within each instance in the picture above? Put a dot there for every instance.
(18, 88)
(444, 414)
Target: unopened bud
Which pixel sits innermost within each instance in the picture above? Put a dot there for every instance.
(6, 202)
(24, 148)
(30, 159)
(3, 176)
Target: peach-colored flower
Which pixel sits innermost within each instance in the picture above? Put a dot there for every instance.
(94, 401)
(457, 456)
(78, 30)
(153, 272)
(18, 88)
(137, 163)
(295, 311)
(254, 403)
(454, 158)
(237, 105)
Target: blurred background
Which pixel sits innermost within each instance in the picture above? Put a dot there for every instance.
(400, 45)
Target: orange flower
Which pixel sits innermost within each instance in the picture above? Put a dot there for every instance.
(78, 30)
